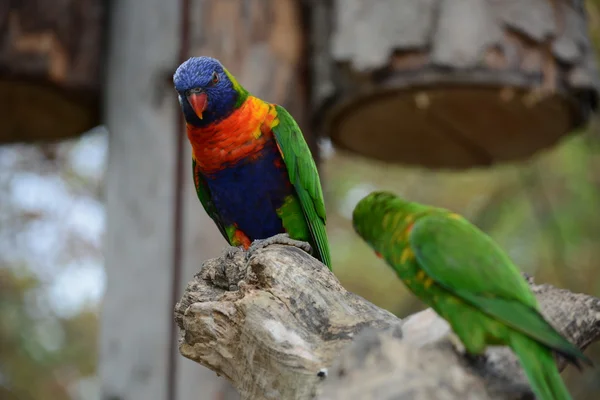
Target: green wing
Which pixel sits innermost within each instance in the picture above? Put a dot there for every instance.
(459, 256)
(204, 195)
(305, 178)
(468, 263)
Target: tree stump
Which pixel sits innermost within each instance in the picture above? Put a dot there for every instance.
(453, 84)
(278, 325)
(50, 59)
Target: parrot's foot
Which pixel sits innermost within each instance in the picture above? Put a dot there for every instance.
(282, 238)
(472, 358)
(230, 251)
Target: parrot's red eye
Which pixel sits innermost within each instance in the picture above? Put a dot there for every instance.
(215, 78)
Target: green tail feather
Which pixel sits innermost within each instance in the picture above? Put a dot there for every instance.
(539, 366)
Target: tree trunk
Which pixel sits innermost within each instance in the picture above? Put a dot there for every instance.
(279, 325)
(50, 61)
(453, 84)
(136, 360)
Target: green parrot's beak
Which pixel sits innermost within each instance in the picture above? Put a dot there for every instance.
(198, 101)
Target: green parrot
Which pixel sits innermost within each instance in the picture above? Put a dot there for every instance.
(461, 273)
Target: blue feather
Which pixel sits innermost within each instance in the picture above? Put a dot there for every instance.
(197, 72)
(250, 192)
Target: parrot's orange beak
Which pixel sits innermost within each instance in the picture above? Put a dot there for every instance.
(198, 101)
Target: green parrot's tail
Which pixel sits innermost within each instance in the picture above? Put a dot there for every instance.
(540, 368)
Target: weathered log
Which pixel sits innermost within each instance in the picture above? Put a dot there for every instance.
(50, 68)
(271, 323)
(452, 84)
(279, 325)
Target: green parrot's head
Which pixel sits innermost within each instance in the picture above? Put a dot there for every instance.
(379, 216)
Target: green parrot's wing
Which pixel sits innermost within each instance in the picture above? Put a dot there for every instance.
(204, 195)
(468, 263)
(305, 178)
(458, 255)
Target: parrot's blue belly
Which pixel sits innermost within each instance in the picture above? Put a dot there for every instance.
(249, 193)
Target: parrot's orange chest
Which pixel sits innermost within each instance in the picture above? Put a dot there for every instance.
(241, 136)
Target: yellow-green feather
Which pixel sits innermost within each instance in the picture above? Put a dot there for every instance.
(467, 262)
(238, 88)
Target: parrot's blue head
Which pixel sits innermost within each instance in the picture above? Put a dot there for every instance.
(207, 91)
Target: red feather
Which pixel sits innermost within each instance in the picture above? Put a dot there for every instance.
(234, 138)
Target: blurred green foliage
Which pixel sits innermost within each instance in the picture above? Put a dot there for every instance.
(43, 356)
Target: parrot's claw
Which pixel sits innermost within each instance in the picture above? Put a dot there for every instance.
(475, 359)
(457, 343)
(322, 373)
(282, 238)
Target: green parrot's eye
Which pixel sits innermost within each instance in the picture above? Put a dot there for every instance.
(214, 79)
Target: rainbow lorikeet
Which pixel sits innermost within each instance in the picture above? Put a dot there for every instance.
(467, 279)
(253, 171)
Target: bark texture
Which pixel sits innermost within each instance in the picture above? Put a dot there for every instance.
(453, 84)
(50, 59)
(279, 325)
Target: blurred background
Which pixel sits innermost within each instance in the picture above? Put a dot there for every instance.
(487, 110)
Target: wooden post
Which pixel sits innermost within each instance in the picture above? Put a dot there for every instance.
(263, 43)
(142, 115)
